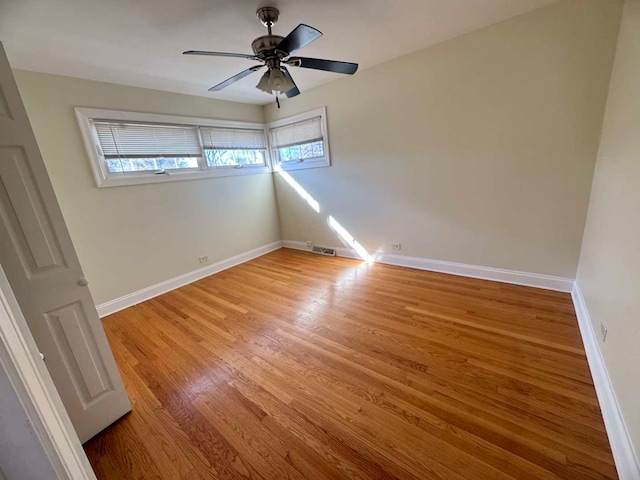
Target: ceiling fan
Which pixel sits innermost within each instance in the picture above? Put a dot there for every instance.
(275, 52)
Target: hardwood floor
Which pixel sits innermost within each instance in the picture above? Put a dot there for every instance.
(301, 366)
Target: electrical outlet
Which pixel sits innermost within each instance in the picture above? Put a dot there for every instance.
(203, 259)
(395, 246)
(309, 244)
(603, 331)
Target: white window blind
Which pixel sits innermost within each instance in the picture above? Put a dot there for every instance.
(298, 133)
(219, 138)
(139, 140)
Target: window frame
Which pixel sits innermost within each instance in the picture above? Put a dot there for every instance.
(104, 178)
(318, 162)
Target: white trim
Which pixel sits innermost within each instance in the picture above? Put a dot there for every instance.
(324, 161)
(102, 177)
(19, 357)
(547, 282)
(126, 301)
(623, 454)
(305, 165)
(180, 176)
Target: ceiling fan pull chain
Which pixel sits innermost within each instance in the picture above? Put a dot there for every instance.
(277, 101)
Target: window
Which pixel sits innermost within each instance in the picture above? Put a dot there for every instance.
(301, 141)
(129, 148)
(138, 147)
(234, 147)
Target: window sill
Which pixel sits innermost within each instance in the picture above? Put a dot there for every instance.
(137, 179)
(303, 165)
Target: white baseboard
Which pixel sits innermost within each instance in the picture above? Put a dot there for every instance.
(126, 301)
(621, 446)
(486, 273)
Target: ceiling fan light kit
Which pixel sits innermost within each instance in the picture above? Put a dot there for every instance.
(274, 51)
(274, 80)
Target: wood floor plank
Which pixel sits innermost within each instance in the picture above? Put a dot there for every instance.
(296, 366)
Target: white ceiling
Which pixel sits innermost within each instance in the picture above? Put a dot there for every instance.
(139, 42)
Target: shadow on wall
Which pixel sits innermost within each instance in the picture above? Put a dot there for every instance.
(341, 232)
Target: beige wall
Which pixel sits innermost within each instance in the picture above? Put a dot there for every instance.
(609, 271)
(477, 150)
(132, 237)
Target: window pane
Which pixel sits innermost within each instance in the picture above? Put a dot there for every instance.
(143, 164)
(187, 162)
(301, 152)
(115, 165)
(166, 163)
(223, 158)
(121, 165)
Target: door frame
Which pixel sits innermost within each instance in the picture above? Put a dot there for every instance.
(20, 359)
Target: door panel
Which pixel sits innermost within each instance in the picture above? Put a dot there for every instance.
(44, 272)
(4, 108)
(71, 332)
(25, 215)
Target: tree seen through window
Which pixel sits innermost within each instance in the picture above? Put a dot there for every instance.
(305, 151)
(234, 157)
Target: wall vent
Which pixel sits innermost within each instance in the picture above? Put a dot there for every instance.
(331, 252)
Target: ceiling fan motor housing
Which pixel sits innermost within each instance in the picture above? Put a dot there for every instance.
(262, 45)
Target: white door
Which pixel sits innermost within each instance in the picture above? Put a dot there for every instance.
(44, 272)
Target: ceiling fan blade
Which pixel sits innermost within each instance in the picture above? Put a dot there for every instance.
(299, 37)
(235, 78)
(347, 68)
(294, 91)
(220, 54)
